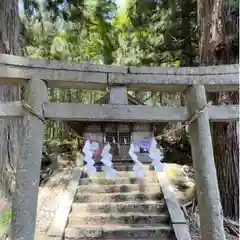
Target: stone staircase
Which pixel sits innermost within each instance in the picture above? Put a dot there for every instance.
(124, 208)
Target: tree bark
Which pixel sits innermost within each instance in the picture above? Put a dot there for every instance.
(218, 30)
(9, 129)
(210, 209)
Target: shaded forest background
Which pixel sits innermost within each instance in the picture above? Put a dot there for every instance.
(167, 33)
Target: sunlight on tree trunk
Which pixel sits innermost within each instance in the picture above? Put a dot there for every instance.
(218, 28)
(9, 129)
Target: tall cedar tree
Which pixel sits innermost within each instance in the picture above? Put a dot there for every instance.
(9, 129)
(217, 45)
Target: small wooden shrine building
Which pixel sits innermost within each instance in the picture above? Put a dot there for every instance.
(119, 134)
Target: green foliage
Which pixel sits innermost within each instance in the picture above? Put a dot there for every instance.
(59, 145)
(143, 33)
(5, 220)
(234, 4)
(153, 33)
(158, 33)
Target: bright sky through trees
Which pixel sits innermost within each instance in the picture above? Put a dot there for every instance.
(120, 3)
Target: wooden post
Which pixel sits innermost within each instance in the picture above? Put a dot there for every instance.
(118, 95)
(24, 206)
(211, 215)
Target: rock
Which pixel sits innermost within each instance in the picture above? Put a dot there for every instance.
(48, 165)
(46, 160)
(181, 178)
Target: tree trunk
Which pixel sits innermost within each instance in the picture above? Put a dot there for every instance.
(218, 29)
(9, 129)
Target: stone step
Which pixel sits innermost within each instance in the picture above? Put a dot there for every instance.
(121, 174)
(123, 180)
(126, 167)
(160, 231)
(120, 188)
(77, 218)
(149, 238)
(118, 197)
(117, 167)
(120, 207)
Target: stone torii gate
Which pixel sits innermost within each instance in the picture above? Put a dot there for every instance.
(37, 76)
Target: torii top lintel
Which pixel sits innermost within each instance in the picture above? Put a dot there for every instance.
(17, 70)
